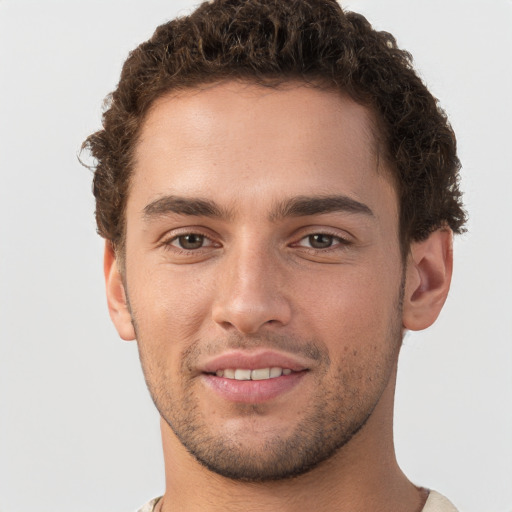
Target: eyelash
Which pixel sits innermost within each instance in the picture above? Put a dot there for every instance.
(168, 243)
(337, 242)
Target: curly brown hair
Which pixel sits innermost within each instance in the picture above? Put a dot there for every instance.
(271, 42)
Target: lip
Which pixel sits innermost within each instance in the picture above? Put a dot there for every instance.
(253, 361)
(252, 391)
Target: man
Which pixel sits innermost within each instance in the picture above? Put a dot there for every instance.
(278, 192)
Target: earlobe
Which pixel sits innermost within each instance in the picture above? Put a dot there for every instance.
(116, 296)
(428, 278)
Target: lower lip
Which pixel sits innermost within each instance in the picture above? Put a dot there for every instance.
(253, 391)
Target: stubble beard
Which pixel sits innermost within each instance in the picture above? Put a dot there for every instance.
(332, 418)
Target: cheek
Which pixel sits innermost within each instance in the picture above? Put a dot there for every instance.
(169, 305)
(351, 297)
(355, 315)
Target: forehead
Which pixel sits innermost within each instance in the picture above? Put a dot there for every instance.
(230, 138)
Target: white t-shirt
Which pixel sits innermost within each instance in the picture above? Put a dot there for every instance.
(438, 503)
(435, 503)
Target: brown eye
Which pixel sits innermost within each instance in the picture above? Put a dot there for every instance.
(190, 241)
(320, 241)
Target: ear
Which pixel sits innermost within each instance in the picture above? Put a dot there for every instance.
(116, 296)
(428, 278)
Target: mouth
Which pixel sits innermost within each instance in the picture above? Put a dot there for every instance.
(253, 377)
(257, 374)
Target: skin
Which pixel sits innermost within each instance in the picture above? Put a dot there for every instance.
(321, 283)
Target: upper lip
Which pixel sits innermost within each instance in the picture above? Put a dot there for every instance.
(253, 360)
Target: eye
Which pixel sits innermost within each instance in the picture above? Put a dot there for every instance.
(321, 241)
(190, 241)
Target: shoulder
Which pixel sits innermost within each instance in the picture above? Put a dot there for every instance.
(150, 505)
(438, 503)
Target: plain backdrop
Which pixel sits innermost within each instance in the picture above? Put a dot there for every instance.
(78, 431)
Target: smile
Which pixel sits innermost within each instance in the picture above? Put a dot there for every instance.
(256, 374)
(242, 376)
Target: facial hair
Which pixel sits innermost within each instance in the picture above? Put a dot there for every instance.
(346, 393)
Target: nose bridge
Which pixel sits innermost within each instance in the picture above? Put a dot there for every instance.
(249, 262)
(249, 291)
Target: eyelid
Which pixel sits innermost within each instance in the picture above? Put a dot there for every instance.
(342, 238)
(338, 242)
(173, 235)
(177, 237)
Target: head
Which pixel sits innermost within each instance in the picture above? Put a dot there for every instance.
(277, 189)
(270, 43)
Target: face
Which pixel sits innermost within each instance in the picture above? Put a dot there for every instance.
(263, 274)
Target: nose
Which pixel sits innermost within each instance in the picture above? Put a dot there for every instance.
(250, 292)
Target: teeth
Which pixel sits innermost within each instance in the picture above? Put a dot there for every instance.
(258, 374)
(261, 374)
(276, 372)
(242, 374)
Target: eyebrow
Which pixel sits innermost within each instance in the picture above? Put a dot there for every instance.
(192, 206)
(299, 206)
(316, 205)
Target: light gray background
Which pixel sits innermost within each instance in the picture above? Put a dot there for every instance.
(77, 429)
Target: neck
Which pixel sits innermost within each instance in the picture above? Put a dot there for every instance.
(363, 476)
